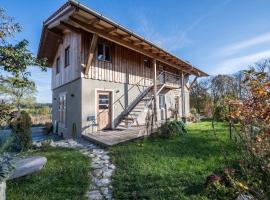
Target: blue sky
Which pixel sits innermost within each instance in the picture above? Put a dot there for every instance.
(218, 36)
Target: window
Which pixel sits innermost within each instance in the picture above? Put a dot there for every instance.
(67, 59)
(103, 101)
(104, 52)
(161, 101)
(146, 63)
(58, 65)
(62, 109)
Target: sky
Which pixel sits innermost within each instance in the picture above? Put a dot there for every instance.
(217, 36)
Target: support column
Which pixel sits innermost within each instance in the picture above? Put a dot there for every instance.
(183, 99)
(155, 88)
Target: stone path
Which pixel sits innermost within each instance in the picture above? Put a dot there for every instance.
(102, 168)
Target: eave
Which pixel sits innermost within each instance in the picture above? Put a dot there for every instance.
(79, 17)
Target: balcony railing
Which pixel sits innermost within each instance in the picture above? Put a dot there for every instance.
(170, 79)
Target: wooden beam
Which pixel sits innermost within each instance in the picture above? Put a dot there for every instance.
(192, 83)
(91, 53)
(70, 27)
(93, 21)
(111, 30)
(117, 40)
(125, 36)
(138, 42)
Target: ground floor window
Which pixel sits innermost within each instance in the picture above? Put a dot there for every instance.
(62, 109)
(161, 101)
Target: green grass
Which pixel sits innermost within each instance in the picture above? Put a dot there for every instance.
(65, 176)
(170, 169)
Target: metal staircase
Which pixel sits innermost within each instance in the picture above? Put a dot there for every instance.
(144, 101)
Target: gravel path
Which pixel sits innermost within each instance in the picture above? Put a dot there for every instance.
(102, 168)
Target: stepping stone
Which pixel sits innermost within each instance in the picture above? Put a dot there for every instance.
(26, 166)
(94, 195)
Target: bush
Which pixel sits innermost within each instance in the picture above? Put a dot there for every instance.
(21, 130)
(171, 129)
(220, 113)
(48, 127)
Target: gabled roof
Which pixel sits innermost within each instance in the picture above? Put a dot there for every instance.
(76, 16)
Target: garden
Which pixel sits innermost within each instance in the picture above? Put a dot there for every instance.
(222, 153)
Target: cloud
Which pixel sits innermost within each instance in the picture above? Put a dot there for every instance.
(239, 46)
(233, 65)
(175, 38)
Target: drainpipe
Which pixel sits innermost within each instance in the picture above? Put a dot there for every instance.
(183, 99)
(155, 88)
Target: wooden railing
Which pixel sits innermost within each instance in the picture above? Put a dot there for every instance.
(169, 79)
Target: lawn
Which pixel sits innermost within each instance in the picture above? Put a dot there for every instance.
(170, 168)
(65, 176)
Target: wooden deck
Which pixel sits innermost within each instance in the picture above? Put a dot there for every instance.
(114, 137)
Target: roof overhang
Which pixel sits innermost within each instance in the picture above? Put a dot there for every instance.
(77, 17)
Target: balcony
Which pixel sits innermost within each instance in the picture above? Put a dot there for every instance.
(170, 80)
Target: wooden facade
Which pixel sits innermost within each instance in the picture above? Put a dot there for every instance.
(73, 71)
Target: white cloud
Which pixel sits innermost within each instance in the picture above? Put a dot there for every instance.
(239, 46)
(175, 38)
(239, 63)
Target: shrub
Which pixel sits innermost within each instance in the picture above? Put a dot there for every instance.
(21, 130)
(171, 129)
(253, 138)
(48, 127)
(220, 112)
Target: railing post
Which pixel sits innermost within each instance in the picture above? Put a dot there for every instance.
(183, 99)
(155, 88)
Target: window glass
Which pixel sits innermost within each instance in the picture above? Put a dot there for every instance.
(107, 53)
(67, 55)
(62, 109)
(103, 101)
(161, 101)
(100, 52)
(57, 65)
(146, 63)
(104, 52)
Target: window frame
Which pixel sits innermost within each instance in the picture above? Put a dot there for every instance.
(62, 109)
(104, 45)
(57, 66)
(67, 56)
(161, 106)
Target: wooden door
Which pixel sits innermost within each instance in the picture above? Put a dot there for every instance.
(104, 110)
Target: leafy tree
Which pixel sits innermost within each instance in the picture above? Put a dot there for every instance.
(14, 58)
(19, 91)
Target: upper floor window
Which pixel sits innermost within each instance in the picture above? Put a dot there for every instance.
(67, 57)
(147, 63)
(104, 52)
(57, 65)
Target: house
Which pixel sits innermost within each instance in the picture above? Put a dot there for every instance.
(104, 76)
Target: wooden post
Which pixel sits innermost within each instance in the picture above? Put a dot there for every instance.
(155, 88)
(183, 100)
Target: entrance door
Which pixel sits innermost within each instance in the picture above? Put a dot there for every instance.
(104, 110)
